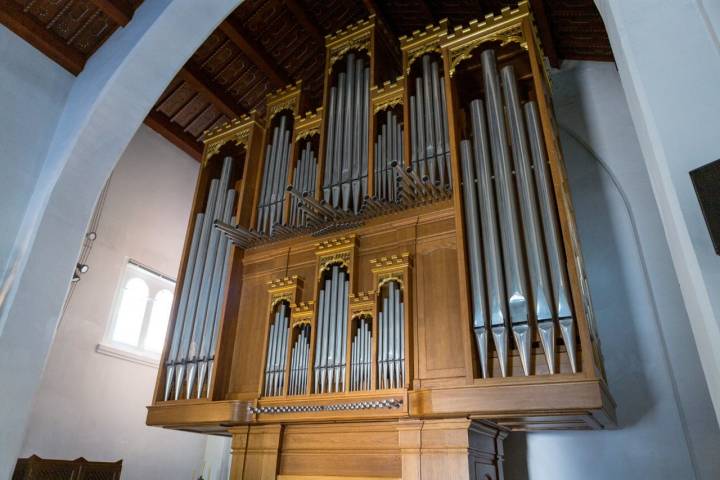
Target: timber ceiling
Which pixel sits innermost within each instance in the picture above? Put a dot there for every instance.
(267, 44)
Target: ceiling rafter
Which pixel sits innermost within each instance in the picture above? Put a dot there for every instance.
(374, 9)
(23, 25)
(175, 134)
(256, 53)
(298, 9)
(427, 11)
(120, 14)
(213, 92)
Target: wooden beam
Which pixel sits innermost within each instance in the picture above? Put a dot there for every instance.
(255, 52)
(546, 38)
(25, 26)
(120, 14)
(427, 11)
(175, 134)
(204, 84)
(374, 9)
(310, 25)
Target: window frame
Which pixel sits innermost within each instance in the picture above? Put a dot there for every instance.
(156, 282)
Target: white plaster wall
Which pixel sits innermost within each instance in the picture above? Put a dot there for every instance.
(33, 90)
(93, 405)
(667, 427)
(668, 56)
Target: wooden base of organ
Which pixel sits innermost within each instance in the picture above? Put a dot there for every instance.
(391, 384)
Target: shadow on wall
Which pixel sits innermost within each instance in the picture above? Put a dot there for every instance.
(600, 222)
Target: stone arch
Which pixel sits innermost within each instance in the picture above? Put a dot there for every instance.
(106, 105)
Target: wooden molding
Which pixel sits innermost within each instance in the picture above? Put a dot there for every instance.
(120, 14)
(303, 17)
(174, 134)
(23, 25)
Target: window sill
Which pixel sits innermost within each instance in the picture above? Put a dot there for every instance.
(123, 354)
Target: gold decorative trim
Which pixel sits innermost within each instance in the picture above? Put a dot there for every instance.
(362, 304)
(308, 125)
(336, 250)
(504, 28)
(284, 289)
(302, 313)
(237, 131)
(357, 36)
(387, 95)
(393, 268)
(286, 98)
(422, 42)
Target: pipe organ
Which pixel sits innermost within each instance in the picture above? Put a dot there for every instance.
(397, 270)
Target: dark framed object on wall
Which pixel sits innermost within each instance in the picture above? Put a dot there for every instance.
(706, 180)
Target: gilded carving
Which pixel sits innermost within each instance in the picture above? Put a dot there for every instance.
(379, 107)
(505, 37)
(360, 43)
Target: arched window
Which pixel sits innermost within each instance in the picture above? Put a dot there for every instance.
(140, 315)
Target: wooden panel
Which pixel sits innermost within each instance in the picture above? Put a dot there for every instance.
(361, 450)
(439, 328)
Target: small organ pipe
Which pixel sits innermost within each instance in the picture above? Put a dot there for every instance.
(337, 155)
(437, 122)
(209, 313)
(420, 125)
(497, 307)
(477, 284)
(189, 314)
(329, 145)
(319, 338)
(181, 320)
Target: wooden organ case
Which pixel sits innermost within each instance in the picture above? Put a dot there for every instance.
(385, 287)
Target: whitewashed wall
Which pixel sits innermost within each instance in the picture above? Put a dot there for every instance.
(667, 427)
(92, 405)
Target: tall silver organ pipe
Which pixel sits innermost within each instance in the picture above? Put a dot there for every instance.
(276, 359)
(430, 150)
(537, 268)
(303, 183)
(192, 346)
(548, 208)
(274, 179)
(361, 355)
(299, 362)
(493, 177)
(345, 176)
(391, 340)
(388, 149)
(515, 277)
(331, 346)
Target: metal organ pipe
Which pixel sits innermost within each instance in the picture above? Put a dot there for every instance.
(345, 178)
(298, 378)
(537, 269)
(515, 279)
(496, 248)
(331, 346)
(430, 153)
(391, 356)
(548, 208)
(388, 149)
(276, 351)
(192, 347)
(473, 236)
(272, 187)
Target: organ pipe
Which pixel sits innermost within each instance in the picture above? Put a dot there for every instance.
(346, 159)
(330, 363)
(192, 345)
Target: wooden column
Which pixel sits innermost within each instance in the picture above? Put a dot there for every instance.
(460, 449)
(255, 452)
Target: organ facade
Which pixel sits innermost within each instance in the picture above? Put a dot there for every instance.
(387, 286)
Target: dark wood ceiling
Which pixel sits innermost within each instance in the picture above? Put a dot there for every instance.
(267, 44)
